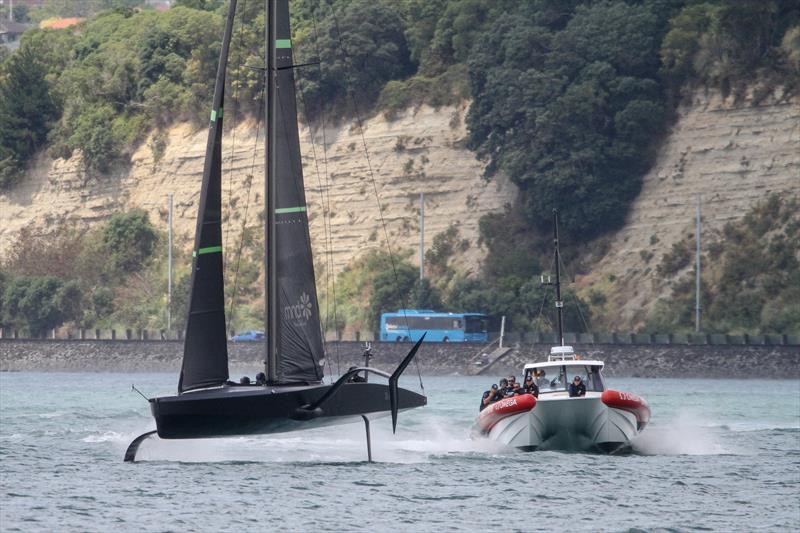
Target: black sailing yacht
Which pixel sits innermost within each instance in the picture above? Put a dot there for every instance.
(294, 396)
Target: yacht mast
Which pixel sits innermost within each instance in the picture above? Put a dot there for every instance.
(271, 248)
(559, 302)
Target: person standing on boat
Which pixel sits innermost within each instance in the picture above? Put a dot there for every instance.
(577, 388)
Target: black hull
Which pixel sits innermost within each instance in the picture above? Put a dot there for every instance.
(255, 410)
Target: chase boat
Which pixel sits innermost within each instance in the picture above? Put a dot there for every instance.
(603, 420)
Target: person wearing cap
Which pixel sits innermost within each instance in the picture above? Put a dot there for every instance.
(503, 388)
(530, 386)
(577, 388)
(489, 396)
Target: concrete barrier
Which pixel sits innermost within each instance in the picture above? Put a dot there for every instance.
(656, 360)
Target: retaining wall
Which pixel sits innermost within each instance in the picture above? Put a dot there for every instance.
(638, 360)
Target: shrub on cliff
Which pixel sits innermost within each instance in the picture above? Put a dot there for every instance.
(39, 304)
(26, 111)
(130, 240)
(733, 45)
(361, 46)
(751, 277)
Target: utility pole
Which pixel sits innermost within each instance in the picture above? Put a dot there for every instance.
(697, 271)
(169, 267)
(421, 236)
(11, 10)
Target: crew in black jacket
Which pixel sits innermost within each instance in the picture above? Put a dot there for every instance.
(577, 388)
(530, 386)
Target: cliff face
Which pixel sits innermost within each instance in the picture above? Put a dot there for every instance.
(730, 154)
(420, 151)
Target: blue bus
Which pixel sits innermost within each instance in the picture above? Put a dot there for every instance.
(410, 324)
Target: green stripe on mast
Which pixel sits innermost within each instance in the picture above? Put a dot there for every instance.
(282, 210)
(207, 250)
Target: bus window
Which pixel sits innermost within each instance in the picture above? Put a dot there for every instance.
(475, 324)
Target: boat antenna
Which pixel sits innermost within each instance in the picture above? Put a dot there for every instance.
(367, 357)
(559, 301)
(133, 387)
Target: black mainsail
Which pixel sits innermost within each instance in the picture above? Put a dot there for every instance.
(205, 349)
(294, 337)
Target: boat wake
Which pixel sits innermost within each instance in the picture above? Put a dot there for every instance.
(346, 443)
(685, 435)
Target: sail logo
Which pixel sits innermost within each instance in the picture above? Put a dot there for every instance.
(299, 313)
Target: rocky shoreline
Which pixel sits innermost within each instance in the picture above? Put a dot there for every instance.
(623, 360)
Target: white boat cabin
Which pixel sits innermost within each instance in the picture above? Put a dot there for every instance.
(561, 367)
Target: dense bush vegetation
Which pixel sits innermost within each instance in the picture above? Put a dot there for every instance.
(106, 276)
(567, 111)
(26, 111)
(750, 277)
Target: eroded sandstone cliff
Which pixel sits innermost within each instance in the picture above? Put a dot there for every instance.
(731, 154)
(419, 151)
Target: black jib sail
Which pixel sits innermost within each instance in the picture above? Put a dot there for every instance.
(294, 338)
(205, 350)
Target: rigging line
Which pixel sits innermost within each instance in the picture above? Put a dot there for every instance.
(324, 224)
(371, 173)
(331, 273)
(575, 297)
(235, 100)
(235, 290)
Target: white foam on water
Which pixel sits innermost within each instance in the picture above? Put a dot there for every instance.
(108, 436)
(344, 443)
(687, 434)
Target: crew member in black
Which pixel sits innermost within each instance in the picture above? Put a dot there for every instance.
(503, 390)
(577, 388)
(530, 386)
(489, 396)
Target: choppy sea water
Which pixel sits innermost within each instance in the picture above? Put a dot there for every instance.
(719, 455)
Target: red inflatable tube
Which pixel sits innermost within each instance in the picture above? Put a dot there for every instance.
(499, 410)
(628, 402)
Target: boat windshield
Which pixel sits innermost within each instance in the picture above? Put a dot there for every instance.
(556, 378)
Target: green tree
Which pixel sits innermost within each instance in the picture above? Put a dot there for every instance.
(130, 240)
(391, 290)
(203, 5)
(425, 296)
(361, 46)
(35, 303)
(731, 45)
(567, 114)
(26, 111)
